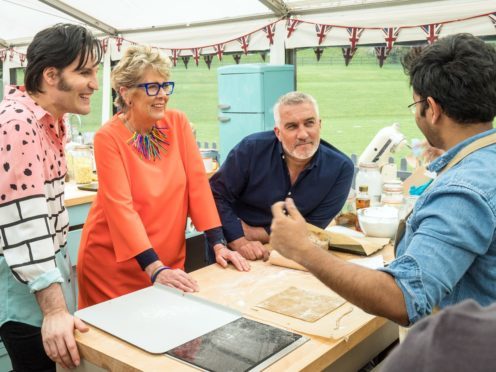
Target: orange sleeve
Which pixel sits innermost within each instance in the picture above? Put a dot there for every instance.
(202, 209)
(129, 237)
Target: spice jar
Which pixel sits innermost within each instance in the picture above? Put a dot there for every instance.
(362, 200)
(82, 163)
(369, 175)
(347, 217)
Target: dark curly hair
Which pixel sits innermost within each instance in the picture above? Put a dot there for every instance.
(58, 46)
(459, 73)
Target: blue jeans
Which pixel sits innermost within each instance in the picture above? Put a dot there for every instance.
(25, 347)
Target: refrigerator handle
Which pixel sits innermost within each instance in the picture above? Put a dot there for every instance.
(223, 106)
(224, 119)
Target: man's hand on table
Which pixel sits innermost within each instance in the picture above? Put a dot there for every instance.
(289, 235)
(223, 255)
(251, 250)
(57, 332)
(253, 233)
(57, 329)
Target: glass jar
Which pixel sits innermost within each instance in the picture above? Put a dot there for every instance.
(347, 217)
(392, 196)
(81, 158)
(362, 201)
(369, 175)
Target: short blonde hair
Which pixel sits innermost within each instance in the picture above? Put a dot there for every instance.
(131, 68)
(292, 99)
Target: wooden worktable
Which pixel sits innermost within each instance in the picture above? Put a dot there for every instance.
(74, 196)
(241, 291)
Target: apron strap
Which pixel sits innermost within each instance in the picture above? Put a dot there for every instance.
(467, 150)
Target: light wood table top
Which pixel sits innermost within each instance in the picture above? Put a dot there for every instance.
(239, 291)
(74, 196)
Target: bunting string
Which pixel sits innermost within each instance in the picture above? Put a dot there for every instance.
(292, 27)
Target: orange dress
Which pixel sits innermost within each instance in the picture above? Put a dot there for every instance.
(141, 204)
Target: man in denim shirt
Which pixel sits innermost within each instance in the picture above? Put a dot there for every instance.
(448, 253)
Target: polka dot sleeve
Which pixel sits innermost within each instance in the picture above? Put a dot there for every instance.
(26, 215)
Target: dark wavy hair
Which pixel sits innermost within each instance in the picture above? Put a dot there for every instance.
(58, 46)
(458, 72)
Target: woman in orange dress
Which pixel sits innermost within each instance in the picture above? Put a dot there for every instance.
(151, 177)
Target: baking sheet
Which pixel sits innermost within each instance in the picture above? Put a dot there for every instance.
(157, 318)
(242, 345)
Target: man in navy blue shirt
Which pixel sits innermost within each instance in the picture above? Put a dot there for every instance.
(269, 166)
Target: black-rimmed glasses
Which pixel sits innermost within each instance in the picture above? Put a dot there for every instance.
(413, 106)
(152, 89)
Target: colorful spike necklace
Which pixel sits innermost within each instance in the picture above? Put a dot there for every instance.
(149, 144)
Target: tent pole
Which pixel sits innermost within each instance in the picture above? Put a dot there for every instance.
(277, 49)
(106, 88)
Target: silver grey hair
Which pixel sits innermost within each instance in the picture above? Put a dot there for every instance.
(291, 99)
(136, 60)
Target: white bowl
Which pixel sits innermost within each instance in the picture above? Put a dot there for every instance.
(378, 222)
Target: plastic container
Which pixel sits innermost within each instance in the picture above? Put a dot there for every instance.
(369, 175)
(347, 217)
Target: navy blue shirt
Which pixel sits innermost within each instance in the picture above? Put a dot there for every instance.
(255, 176)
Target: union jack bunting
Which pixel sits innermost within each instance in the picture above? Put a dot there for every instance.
(175, 54)
(185, 60)
(196, 54)
(432, 31)
(104, 44)
(270, 31)
(348, 54)
(219, 50)
(3, 55)
(237, 58)
(381, 53)
(291, 25)
(208, 59)
(22, 58)
(492, 17)
(322, 31)
(118, 42)
(318, 52)
(355, 34)
(244, 41)
(390, 35)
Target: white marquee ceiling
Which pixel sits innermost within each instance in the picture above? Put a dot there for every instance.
(187, 24)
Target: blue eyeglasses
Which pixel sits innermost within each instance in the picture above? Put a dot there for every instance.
(152, 89)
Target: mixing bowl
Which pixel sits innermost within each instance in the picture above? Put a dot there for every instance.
(378, 222)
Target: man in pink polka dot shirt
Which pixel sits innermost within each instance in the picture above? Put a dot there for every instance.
(37, 293)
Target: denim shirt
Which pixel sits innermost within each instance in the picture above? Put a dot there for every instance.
(448, 252)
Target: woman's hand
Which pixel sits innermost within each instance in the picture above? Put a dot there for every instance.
(223, 255)
(177, 278)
